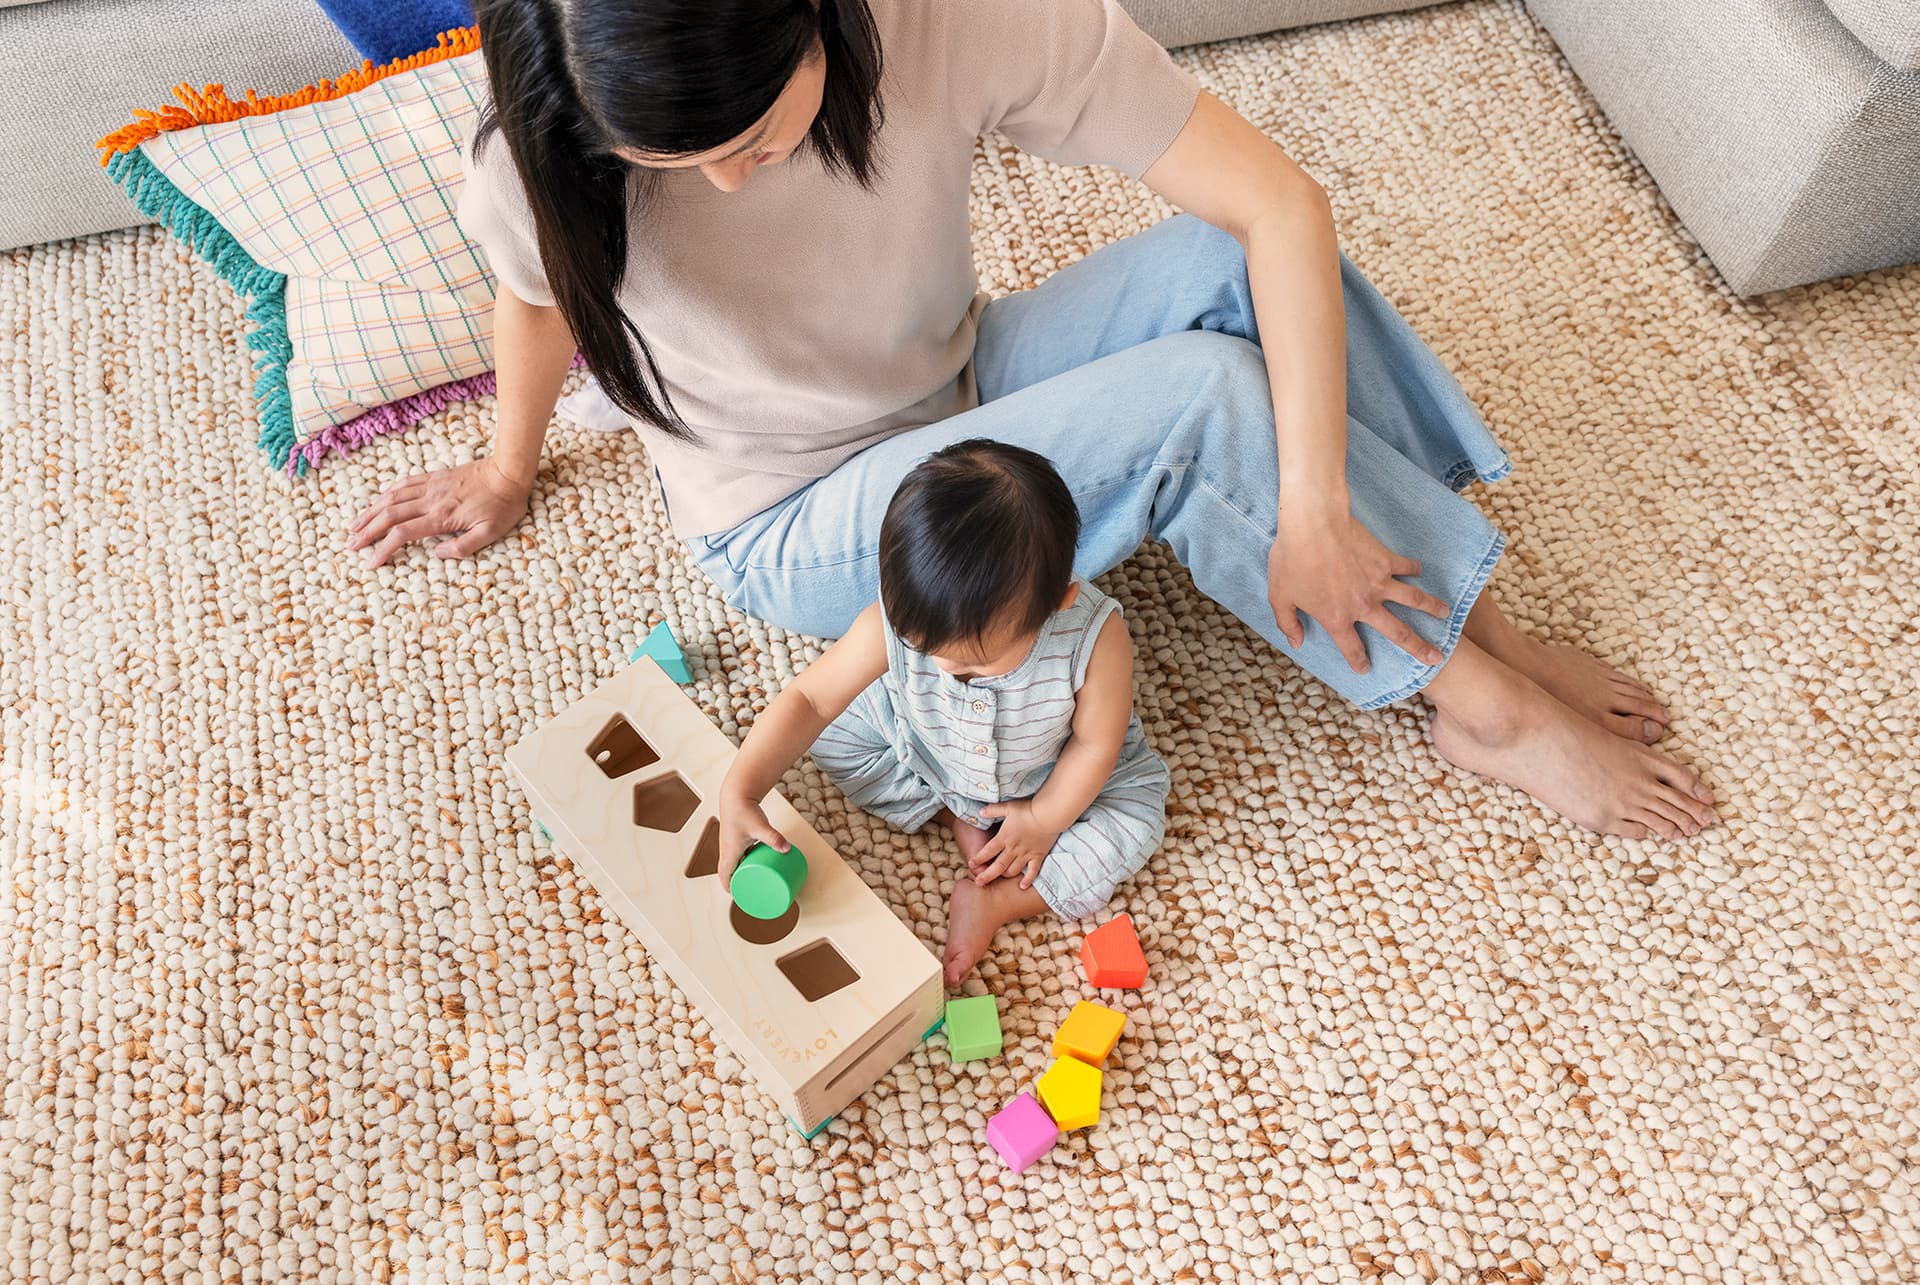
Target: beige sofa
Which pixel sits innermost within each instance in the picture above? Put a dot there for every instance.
(73, 70)
(1785, 133)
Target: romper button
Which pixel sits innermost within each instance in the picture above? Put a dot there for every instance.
(978, 706)
(979, 749)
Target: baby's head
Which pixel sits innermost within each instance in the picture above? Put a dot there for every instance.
(975, 553)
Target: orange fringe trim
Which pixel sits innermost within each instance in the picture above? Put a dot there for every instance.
(211, 105)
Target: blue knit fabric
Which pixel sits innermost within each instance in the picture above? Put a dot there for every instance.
(384, 30)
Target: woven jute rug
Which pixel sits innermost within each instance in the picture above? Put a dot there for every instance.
(293, 992)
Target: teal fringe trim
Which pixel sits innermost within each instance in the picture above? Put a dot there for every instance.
(157, 198)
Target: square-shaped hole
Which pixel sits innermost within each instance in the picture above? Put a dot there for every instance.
(818, 970)
(664, 804)
(619, 749)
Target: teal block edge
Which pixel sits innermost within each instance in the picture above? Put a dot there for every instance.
(155, 195)
(816, 1128)
(924, 1037)
(666, 652)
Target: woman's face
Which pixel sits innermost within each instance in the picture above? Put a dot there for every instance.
(771, 140)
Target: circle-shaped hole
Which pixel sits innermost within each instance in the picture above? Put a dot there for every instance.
(764, 932)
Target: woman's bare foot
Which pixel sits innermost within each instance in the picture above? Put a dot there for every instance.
(1587, 685)
(971, 838)
(1592, 688)
(974, 915)
(1497, 722)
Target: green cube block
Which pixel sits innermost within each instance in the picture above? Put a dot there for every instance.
(973, 1028)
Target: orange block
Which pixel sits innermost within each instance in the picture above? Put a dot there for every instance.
(1111, 955)
(1089, 1033)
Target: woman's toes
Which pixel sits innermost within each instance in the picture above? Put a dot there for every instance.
(1657, 826)
(1688, 812)
(1641, 703)
(1690, 791)
(1632, 727)
(1675, 813)
(1639, 690)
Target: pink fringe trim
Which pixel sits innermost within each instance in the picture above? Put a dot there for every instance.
(394, 417)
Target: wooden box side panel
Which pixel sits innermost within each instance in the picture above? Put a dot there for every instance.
(831, 1089)
(787, 1041)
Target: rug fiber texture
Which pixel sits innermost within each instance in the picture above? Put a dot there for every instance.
(293, 992)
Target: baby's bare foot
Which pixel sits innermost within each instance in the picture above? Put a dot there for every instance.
(1604, 782)
(1590, 687)
(970, 928)
(971, 838)
(974, 915)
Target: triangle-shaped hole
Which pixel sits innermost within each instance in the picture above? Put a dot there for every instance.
(706, 853)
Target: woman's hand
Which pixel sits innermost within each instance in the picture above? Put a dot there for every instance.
(1021, 844)
(476, 502)
(1327, 564)
(743, 822)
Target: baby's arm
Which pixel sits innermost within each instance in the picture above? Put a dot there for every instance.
(1102, 710)
(788, 726)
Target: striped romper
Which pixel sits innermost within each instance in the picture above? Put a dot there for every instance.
(918, 740)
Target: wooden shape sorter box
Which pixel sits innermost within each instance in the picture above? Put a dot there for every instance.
(820, 1002)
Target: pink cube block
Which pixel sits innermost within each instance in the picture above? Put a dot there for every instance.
(1022, 1132)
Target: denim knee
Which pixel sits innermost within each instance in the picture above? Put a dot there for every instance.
(1230, 441)
(1202, 245)
(1214, 271)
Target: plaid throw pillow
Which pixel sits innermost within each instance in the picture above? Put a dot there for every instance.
(333, 209)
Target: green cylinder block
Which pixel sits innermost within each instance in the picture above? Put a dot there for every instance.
(767, 880)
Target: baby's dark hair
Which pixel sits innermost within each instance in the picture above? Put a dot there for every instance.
(979, 535)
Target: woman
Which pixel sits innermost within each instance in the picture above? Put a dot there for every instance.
(751, 217)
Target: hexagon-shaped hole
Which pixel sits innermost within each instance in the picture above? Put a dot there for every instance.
(619, 749)
(664, 804)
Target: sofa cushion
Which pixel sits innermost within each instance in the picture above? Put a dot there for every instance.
(1891, 28)
(74, 68)
(384, 30)
(334, 210)
(1192, 22)
(1786, 147)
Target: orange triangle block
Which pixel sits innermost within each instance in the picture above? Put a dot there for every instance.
(1111, 955)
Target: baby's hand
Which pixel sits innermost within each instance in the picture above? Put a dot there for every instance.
(1020, 844)
(742, 824)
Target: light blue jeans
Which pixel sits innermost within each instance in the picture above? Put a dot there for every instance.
(1138, 372)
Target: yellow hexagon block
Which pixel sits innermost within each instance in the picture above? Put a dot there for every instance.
(1089, 1033)
(1070, 1090)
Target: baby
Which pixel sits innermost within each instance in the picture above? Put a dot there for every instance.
(990, 689)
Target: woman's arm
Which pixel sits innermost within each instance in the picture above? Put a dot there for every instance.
(533, 348)
(791, 723)
(1324, 562)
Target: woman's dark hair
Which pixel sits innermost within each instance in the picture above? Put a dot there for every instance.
(573, 79)
(979, 536)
